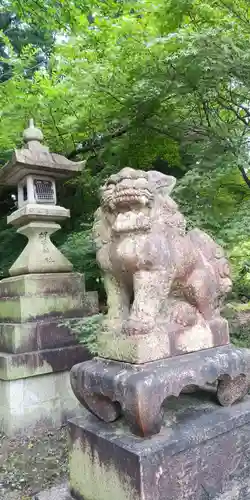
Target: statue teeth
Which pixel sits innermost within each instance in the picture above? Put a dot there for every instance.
(144, 200)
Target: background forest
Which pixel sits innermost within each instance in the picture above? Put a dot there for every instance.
(162, 84)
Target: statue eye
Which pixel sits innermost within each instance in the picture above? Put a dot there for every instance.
(111, 182)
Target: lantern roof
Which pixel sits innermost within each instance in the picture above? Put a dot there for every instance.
(35, 158)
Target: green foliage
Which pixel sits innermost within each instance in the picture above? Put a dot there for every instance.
(87, 331)
(16, 37)
(79, 249)
(10, 248)
(238, 315)
(240, 336)
(240, 259)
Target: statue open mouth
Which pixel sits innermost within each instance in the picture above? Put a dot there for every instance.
(127, 190)
(125, 198)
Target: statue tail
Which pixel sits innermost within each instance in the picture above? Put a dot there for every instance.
(213, 254)
(206, 245)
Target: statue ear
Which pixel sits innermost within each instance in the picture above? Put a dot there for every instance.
(164, 183)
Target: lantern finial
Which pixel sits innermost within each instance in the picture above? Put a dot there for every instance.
(32, 133)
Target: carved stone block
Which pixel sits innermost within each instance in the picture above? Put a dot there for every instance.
(110, 389)
(202, 453)
(162, 342)
(40, 255)
(34, 306)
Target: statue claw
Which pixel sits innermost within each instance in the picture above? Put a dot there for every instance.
(137, 327)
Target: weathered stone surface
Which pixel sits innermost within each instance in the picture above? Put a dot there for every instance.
(42, 284)
(109, 389)
(159, 279)
(202, 453)
(160, 344)
(16, 338)
(57, 493)
(21, 309)
(33, 363)
(34, 212)
(33, 306)
(40, 255)
(46, 333)
(36, 403)
(27, 309)
(163, 333)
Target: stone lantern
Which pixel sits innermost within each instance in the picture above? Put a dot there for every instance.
(34, 171)
(37, 347)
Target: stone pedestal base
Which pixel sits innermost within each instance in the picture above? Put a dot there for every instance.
(35, 390)
(202, 453)
(36, 403)
(37, 349)
(42, 362)
(110, 389)
(162, 342)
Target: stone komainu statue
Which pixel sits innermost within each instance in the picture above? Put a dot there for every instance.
(163, 333)
(157, 276)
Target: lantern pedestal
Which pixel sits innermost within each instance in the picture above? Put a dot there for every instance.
(40, 255)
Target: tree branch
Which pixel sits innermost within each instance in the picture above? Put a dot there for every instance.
(233, 110)
(240, 167)
(206, 112)
(160, 130)
(55, 125)
(98, 141)
(244, 175)
(234, 12)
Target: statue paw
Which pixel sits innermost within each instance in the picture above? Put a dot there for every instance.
(134, 326)
(111, 325)
(232, 390)
(184, 315)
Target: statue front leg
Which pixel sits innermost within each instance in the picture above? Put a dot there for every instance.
(118, 302)
(151, 289)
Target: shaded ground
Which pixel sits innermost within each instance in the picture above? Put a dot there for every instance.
(28, 465)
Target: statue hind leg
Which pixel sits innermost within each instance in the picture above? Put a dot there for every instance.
(201, 291)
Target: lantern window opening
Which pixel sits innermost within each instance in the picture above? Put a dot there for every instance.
(25, 192)
(44, 191)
